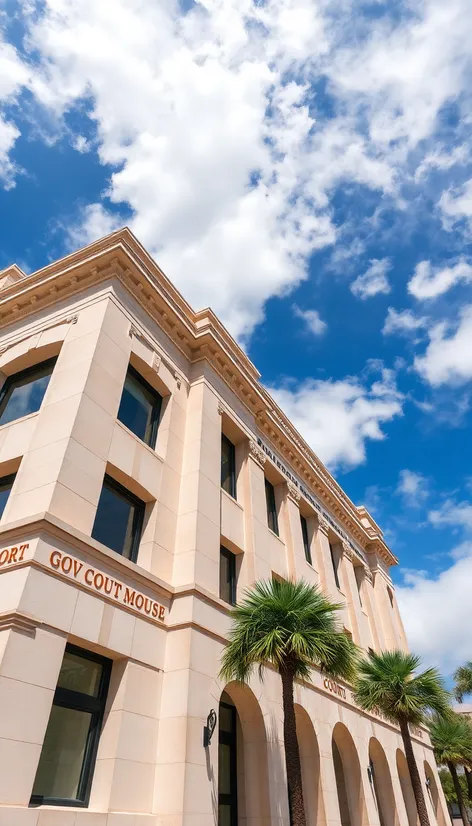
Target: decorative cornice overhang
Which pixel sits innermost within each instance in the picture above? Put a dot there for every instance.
(200, 336)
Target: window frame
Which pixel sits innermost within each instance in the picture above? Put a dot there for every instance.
(232, 473)
(335, 567)
(231, 558)
(5, 393)
(306, 539)
(155, 409)
(95, 706)
(138, 518)
(271, 507)
(4, 482)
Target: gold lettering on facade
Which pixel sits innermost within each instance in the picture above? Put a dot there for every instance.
(13, 555)
(334, 687)
(95, 580)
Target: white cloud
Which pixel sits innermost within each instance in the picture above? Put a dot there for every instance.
(429, 282)
(413, 487)
(13, 75)
(403, 322)
(442, 159)
(457, 514)
(81, 144)
(456, 205)
(312, 320)
(373, 281)
(437, 612)
(96, 222)
(448, 356)
(337, 418)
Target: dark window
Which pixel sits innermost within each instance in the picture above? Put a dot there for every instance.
(335, 563)
(67, 760)
(23, 393)
(271, 509)
(5, 487)
(306, 539)
(140, 407)
(390, 596)
(119, 519)
(228, 466)
(227, 576)
(227, 766)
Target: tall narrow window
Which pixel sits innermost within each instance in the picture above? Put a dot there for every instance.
(6, 484)
(23, 393)
(335, 564)
(228, 466)
(272, 520)
(67, 760)
(227, 576)
(306, 539)
(227, 764)
(119, 519)
(390, 595)
(140, 407)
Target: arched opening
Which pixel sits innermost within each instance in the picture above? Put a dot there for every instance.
(348, 778)
(381, 782)
(243, 789)
(434, 797)
(310, 760)
(407, 789)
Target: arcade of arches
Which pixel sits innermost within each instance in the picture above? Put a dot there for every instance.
(342, 786)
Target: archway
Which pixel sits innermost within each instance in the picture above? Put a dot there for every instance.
(407, 789)
(310, 760)
(433, 792)
(348, 778)
(381, 782)
(243, 788)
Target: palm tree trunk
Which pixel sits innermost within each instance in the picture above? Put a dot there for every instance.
(414, 774)
(459, 795)
(468, 777)
(292, 753)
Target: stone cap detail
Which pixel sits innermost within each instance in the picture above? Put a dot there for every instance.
(257, 453)
(293, 492)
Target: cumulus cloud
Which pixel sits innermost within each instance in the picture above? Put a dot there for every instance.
(13, 76)
(338, 418)
(413, 487)
(220, 147)
(373, 281)
(448, 356)
(455, 205)
(429, 282)
(311, 318)
(96, 222)
(437, 611)
(403, 322)
(457, 514)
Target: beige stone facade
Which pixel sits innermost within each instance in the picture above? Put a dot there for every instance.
(109, 658)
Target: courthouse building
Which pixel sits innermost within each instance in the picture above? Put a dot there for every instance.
(148, 478)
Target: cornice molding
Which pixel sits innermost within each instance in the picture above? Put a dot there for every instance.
(17, 621)
(323, 525)
(199, 336)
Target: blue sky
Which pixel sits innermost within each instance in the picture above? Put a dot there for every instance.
(305, 168)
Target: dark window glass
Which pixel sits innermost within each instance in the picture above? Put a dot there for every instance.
(227, 767)
(67, 760)
(227, 576)
(119, 519)
(306, 540)
(390, 596)
(271, 509)
(334, 562)
(140, 407)
(23, 393)
(5, 487)
(228, 466)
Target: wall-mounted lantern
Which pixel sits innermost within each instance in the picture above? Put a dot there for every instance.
(209, 728)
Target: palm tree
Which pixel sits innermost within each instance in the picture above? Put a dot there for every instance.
(387, 683)
(451, 737)
(463, 686)
(289, 626)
